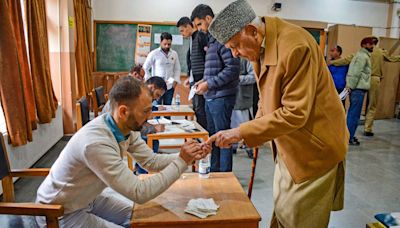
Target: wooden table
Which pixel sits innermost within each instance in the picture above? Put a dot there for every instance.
(201, 134)
(167, 210)
(175, 110)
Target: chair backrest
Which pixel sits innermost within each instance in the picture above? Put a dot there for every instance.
(99, 93)
(4, 166)
(82, 112)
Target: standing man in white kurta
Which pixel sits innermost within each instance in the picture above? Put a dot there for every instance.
(164, 62)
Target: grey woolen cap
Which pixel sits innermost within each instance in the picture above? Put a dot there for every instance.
(231, 20)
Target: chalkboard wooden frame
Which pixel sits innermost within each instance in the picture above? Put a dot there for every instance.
(95, 22)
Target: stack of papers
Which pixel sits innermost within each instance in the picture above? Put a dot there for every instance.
(344, 94)
(202, 208)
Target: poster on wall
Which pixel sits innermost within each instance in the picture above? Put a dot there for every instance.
(143, 43)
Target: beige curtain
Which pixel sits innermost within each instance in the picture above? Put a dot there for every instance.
(83, 60)
(15, 90)
(45, 99)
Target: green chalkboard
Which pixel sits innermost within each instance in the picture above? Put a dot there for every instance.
(116, 42)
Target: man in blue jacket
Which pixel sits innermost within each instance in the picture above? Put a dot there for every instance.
(338, 72)
(219, 87)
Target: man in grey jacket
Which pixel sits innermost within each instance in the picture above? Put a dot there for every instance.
(358, 81)
(92, 160)
(243, 110)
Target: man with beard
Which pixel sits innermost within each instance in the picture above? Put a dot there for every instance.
(164, 62)
(92, 160)
(358, 81)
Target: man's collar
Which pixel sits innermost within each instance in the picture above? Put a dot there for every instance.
(114, 128)
(270, 42)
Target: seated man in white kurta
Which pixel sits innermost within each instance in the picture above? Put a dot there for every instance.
(92, 160)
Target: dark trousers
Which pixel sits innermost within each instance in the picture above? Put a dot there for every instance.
(199, 107)
(354, 112)
(166, 99)
(156, 144)
(219, 112)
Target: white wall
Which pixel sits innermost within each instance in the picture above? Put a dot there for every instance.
(44, 137)
(368, 13)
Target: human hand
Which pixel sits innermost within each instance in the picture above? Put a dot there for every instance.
(206, 149)
(191, 151)
(174, 84)
(161, 108)
(186, 83)
(225, 139)
(159, 127)
(202, 88)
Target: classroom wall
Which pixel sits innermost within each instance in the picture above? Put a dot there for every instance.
(346, 11)
(44, 137)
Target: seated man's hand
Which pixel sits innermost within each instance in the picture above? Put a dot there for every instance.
(225, 139)
(191, 151)
(159, 127)
(206, 149)
(161, 108)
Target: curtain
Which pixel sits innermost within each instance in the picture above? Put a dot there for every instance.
(46, 102)
(11, 83)
(18, 29)
(83, 45)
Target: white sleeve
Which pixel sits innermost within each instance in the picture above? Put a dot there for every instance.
(105, 161)
(177, 69)
(148, 63)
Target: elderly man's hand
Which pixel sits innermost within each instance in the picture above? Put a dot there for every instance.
(225, 139)
(191, 151)
(202, 88)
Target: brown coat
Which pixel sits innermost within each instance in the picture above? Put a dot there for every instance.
(299, 107)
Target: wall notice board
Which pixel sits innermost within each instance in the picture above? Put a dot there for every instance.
(115, 43)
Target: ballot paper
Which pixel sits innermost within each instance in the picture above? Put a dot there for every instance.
(202, 208)
(185, 124)
(344, 94)
(161, 120)
(192, 92)
(170, 80)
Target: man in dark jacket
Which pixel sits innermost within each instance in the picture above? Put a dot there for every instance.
(219, 86)
(195, 59)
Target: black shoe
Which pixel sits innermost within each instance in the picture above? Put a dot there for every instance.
(250, 153)
(354, 142)
(367, 133)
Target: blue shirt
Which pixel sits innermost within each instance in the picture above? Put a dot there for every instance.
(114, 129)
(339, 75)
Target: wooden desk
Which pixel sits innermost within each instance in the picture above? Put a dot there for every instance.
(175, 110)
(202, 134)
(167, 210)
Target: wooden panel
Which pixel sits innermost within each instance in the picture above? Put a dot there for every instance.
(349, 37)
(389, 85)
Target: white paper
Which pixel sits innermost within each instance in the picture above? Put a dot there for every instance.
(192, 92)
(170, 80)
(202, 208)
(161, 120)
(344, 94)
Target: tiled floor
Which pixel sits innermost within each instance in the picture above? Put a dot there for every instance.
(372, 179)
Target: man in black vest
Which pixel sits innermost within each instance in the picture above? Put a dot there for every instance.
(195, 59)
